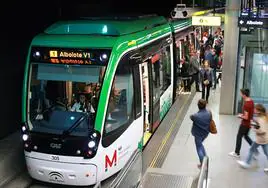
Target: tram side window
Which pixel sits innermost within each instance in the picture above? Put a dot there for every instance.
(156, 80)
(161, 70)
(137, 91)
(120, 111)
(165, 62)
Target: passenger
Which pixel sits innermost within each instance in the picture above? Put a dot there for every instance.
(261, 131)
(206, 78)
(214, 65)
(194, 70)
(88, 88)
(202, 52)
(113, 102)
(246, 116)
(208, 54)
(220, 68)
(185, 76)
(200, 130)
(82, 105)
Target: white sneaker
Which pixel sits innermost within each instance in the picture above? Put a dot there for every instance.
(233, 154)
(266, 170)
(243, 164)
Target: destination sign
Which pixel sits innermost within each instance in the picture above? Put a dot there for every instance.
(70, 56)
(253, 22)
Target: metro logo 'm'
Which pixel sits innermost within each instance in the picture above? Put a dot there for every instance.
(109, 162)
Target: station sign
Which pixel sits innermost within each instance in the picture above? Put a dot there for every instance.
(206, 20)
(253, 22)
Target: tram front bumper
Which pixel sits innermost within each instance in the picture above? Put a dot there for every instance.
(62, 173)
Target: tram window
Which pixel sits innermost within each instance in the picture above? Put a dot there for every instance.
(54, 90)
(156, 80)
(120, 109)
(161, 72)
(137, 92)
(165, 69)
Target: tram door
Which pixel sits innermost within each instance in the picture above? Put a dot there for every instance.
(156, 78)
(146, 101)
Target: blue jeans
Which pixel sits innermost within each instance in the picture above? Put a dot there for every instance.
(253, 149)
(201, 152)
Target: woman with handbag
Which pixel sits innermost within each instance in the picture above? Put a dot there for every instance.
(206, 78)
(201, 128)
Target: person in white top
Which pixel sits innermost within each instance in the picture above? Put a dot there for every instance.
(260, 126)
(82, 105)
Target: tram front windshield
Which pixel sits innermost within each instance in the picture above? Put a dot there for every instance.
(63, 98)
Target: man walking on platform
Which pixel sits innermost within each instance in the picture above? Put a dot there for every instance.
(194, 70)
(200, 130)
(246, 116)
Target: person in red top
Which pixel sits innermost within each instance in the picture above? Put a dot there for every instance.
(246, 116)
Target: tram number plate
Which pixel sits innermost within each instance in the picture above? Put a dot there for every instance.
(55, 158)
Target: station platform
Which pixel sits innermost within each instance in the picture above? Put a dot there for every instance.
(224, 171)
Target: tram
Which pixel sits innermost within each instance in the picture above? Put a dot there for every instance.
(94, 91)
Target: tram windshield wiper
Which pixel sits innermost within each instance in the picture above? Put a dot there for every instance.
(75, 125)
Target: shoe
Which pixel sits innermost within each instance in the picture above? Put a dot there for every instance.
(243, 164)
(266, 170)
(199, 166)
(233, 154)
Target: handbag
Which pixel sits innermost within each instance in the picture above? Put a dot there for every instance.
(206, 82)
(212, 126)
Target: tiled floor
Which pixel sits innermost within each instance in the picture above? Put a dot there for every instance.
(224, 172)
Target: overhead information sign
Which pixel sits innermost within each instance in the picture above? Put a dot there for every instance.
(206, 20)
(253, 22)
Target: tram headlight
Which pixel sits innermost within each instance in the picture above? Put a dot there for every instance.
(94, 135)
(91, 144)
(25, 137)
(23, 128)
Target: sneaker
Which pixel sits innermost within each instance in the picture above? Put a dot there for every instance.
(233, 154)
(266, 170)
(243, 164)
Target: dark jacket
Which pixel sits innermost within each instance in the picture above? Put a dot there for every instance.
(201, 121)
(193, 66)
(185, 69)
